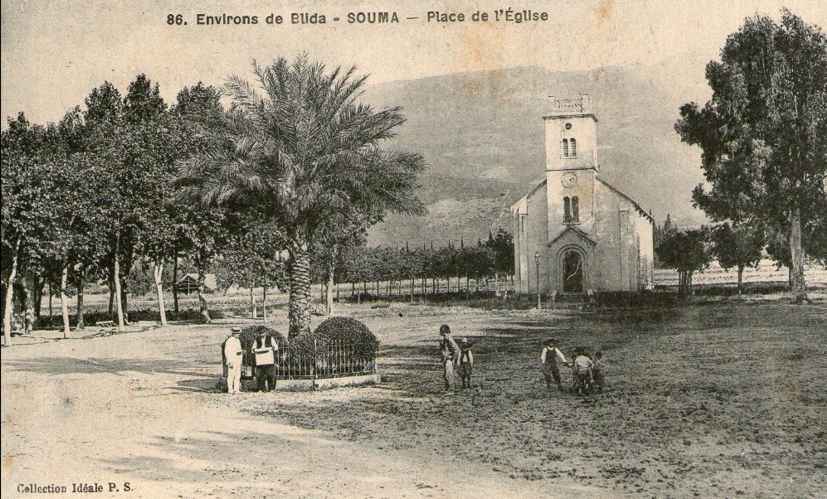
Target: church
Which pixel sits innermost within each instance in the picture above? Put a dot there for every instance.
(574, 232)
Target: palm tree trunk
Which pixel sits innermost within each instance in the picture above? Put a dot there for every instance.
(299, 304)
(10, 295)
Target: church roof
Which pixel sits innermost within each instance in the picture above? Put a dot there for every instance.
(537, 184)
(627, 198)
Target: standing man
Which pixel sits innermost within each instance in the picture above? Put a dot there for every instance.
(265, 355)
(233, 355)
(450, 355)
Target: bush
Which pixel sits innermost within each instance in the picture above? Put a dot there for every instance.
(351, 331)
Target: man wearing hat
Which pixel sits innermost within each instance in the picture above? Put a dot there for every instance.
(550, 357)
(233, 356)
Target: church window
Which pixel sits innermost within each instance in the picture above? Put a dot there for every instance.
(566, 210)
(575, 209)
(565, 148)
(573, 150)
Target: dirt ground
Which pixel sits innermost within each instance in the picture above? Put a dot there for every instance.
(717, 400)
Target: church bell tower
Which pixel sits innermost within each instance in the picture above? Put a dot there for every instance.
(571, 162)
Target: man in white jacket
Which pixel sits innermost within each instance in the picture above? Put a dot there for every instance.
(233, 355)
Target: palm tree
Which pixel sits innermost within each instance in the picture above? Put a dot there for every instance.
(302, 152)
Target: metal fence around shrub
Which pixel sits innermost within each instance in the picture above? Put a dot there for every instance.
(322, 358)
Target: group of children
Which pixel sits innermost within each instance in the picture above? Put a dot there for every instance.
(588, 371)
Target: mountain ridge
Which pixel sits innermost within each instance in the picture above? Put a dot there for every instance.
(481, 133)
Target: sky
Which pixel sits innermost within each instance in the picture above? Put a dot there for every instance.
(55, 52)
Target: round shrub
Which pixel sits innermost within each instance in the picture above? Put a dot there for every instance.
(350, 331)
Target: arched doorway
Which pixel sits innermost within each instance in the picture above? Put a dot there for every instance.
(572, 272)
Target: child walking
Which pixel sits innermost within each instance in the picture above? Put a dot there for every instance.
(450, 356)
(550, 358)
(466, 362)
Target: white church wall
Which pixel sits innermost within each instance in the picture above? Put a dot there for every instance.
(615, 230)
(645, 231)
(537, 236)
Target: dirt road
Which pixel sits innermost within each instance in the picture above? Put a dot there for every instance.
(138, 410)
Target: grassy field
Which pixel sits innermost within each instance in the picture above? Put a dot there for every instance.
(724, 399)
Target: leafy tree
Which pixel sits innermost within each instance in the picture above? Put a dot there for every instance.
(305, 150)
(764, 132)
(739, 247)
(503, 247)
(250, 259)
(686, 252)
(24, 215)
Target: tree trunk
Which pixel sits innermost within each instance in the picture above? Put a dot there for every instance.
(264, 302)
(158, 273)
(50, 304)
(252, 304)
(79, 313)
(175, 284)
(124, 301)
(38, 295)
(7, 310)
(299, 301)
(203, 307)
(740, 278)
(116, 274)
(64, 300)
(799, 286)
(331, 280)
(111, 285)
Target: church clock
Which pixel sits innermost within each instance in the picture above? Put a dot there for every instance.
(569, 180)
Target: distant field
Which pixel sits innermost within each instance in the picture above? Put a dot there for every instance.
(765, 273)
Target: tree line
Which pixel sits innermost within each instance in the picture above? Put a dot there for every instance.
(427, 265)
(294, 164)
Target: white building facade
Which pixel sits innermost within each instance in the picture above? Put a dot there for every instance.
(574, 232)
